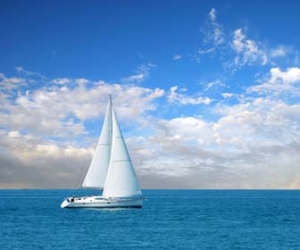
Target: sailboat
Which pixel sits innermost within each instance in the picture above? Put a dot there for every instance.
(111, 169)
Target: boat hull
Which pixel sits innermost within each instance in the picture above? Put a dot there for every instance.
(101, 202)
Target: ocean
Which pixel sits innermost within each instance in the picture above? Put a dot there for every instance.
(169, 219)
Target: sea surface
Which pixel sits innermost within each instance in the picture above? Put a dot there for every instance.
(170, 219)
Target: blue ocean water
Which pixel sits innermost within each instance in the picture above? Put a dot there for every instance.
(170, 219)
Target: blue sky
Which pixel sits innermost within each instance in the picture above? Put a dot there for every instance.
(207, 92)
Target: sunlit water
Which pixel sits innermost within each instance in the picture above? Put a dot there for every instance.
(170, 219)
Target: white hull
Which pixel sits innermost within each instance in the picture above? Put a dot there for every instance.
(101, 202)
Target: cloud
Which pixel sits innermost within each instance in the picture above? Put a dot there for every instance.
(44, 135)
(260, 134)
(206, 51)
(135, 78)
(29, 162)
(280, 51)
(227, 95)
(235, 50)
(213, 15)
(140, 76)
(214, 84)
(29, 73)
(45, 141)
(290, 76)
(249, 138)
(19, 69)
(11, 83)
(175, 97)
(177, 57)
(56, 108)
(214, 38)
(248, 52)
(280, 82)
(214, 32)
(61, 81)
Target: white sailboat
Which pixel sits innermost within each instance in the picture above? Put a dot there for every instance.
(111, 169)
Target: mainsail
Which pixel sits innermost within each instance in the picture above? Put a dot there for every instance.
(121, 180)
(111, 167)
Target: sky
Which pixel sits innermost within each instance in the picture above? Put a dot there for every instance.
(207, 93)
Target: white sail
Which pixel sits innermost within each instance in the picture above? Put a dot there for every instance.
(96, 175)
(121, 179)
